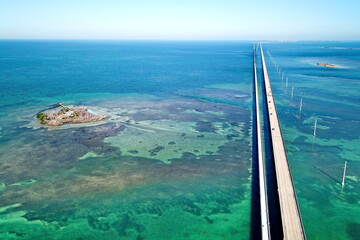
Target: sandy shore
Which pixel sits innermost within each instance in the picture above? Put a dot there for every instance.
(71, 114)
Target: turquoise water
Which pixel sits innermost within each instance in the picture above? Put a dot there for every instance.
(173, 160)
(330, 95)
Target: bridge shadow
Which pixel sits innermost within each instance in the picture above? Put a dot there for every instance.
(325, 173)
(255, 232)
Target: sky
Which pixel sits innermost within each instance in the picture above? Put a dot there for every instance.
(180, 19)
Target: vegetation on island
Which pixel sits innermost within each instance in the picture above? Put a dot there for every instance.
(42, 117)
(67, 114)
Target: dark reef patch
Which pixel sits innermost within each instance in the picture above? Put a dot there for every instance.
(95, 223)
(94, 136)
(156, 150)
(133, 151)
(203, 126)
(353, 230)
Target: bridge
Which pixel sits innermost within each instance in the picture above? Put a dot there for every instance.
(291, 221)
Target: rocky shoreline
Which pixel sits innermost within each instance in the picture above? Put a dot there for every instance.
(67, 114)
(327, 65)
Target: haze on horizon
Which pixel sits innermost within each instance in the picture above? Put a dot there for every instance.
(180, 19)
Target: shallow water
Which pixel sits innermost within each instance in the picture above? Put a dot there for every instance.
(173, 160)
(330, 95)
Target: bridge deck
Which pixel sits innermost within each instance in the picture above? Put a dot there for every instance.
(290, 213)
(265, 225)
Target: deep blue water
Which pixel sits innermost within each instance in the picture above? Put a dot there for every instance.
(175, 144)
(182, 166)
(40, 68)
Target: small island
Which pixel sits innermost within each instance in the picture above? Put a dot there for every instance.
(339, 47)
(327, 65)
(67, 114)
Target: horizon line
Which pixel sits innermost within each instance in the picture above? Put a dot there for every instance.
(169, 40)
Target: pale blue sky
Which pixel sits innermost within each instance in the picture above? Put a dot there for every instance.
(180, 19)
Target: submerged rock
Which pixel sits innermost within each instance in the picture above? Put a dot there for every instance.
(93, 136)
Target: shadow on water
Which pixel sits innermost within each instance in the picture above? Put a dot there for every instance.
(49, 108)
(337, 181)
(271, 183)
(255, 188)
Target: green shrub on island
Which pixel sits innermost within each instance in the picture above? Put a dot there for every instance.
(74, 114)
(42, 117)
(64, 109)
(65, 115)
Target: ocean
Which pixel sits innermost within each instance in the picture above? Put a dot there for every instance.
(174, 158)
